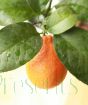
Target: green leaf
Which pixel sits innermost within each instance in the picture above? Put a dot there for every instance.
(19, 10)
(37, 5)
(78, 2)
(81, 11)
(17, 45)
(72, 48)
(15, 11)
(80, 7)
(60, 20)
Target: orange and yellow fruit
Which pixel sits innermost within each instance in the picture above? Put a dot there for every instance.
(46, 70)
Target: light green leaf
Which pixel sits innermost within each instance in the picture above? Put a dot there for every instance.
(72, 49)
(60, 20)
(17, 45)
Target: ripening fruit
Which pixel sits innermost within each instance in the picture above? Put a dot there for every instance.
(46, 70)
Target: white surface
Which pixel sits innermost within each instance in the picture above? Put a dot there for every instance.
(16, 89)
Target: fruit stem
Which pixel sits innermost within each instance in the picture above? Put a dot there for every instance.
(47, 40)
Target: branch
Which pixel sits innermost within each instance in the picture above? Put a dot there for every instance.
(82, 25)
(48, 8)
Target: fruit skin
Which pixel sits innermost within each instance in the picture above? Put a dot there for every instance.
(46, 70)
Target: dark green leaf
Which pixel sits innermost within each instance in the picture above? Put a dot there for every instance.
(80, 7)
(82, 12)
(15, 11)
(37, 5)
(60, 20)
(72, 48)
(19, 10)
(17, 45)
(79, 2)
